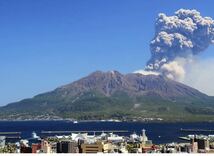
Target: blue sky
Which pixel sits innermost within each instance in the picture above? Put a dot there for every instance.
(47, 43)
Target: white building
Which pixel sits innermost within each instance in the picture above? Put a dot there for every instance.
(144, 138)
(115, 138)
(2, 141)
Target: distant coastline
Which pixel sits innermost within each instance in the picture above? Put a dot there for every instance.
(103, 121)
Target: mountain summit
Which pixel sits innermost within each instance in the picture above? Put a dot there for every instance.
(104, 95)
(109, 83)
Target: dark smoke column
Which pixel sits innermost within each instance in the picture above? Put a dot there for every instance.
(185, 34)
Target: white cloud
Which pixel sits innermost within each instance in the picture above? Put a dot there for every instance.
(200, 75)
(144, 72)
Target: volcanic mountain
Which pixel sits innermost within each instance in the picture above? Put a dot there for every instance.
(105, 95)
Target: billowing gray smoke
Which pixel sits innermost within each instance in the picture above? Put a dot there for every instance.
(177, 39)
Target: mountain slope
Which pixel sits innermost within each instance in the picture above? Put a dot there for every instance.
(103, 95)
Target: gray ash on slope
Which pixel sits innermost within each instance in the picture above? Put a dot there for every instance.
(104, 95)
(108, 83)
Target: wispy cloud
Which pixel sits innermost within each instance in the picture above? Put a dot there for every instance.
(200, 75)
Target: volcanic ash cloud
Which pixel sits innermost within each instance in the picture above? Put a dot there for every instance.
(178, 39)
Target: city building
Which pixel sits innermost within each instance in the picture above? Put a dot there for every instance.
(115, 138)
(108, 147)
(67, 147)
(107, 143)
(2, 141)
(92, 148)
(46, 147)
(79, 136)
(134, 137)
(143, 138)
(35, 148)
(194, 147)
(25, 149)
(203, 144)
(200, 144)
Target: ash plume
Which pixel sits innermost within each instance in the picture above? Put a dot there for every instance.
(177, 40)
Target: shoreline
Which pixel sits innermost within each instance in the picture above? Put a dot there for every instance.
(102, 121)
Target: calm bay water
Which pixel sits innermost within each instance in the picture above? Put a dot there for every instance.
(157, 132)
